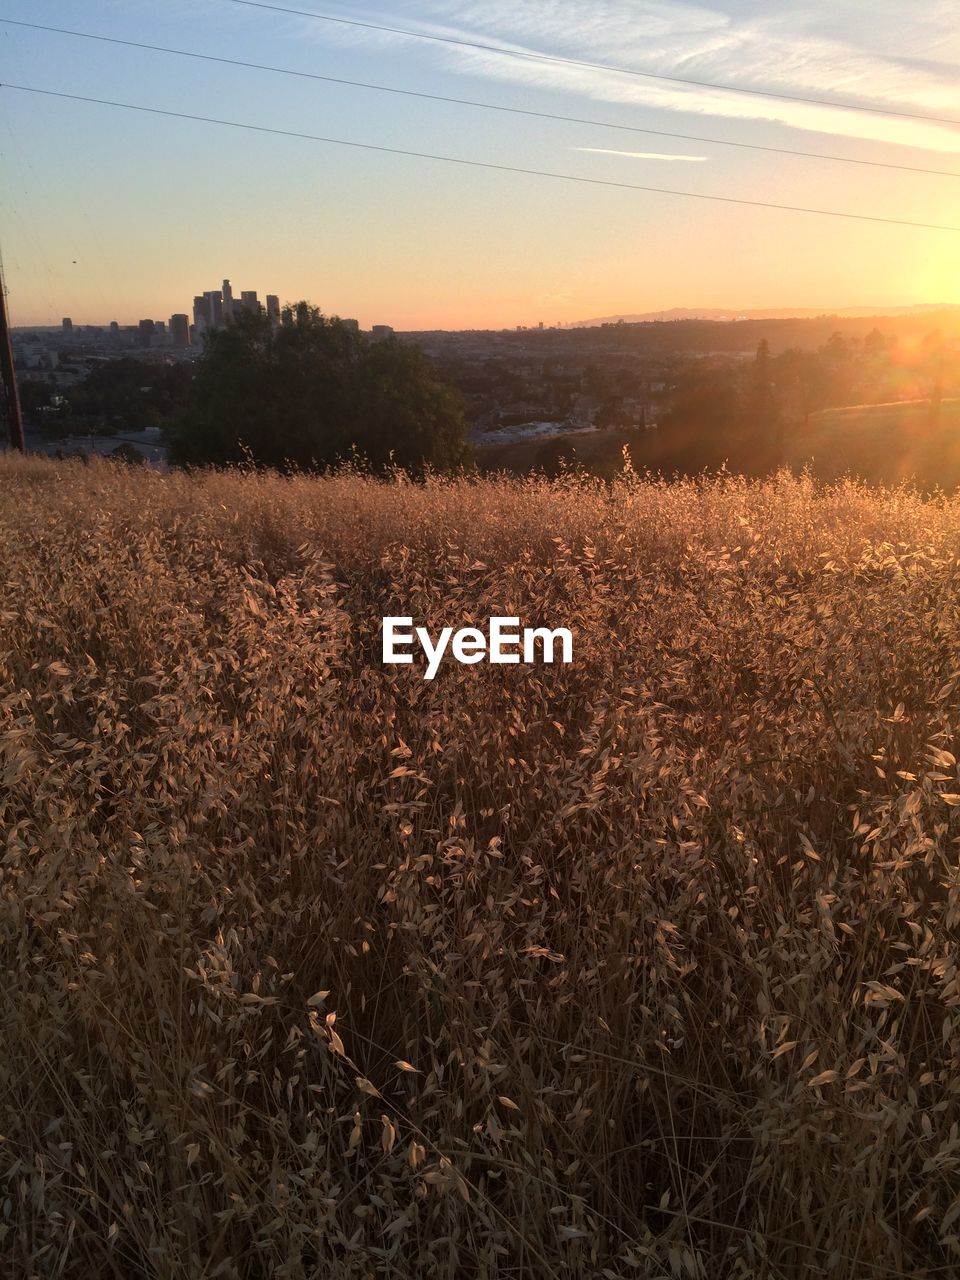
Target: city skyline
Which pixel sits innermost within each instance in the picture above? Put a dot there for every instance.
(215, 307)
(108, 213)
(211, 309)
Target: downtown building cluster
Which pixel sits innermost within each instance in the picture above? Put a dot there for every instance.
(217, 307)
(55, 353)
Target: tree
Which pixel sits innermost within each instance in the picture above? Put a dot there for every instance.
(128, 453)
(702, 428)
(36, 396)
(874, 344)
(556, 457)
(129, 393)
(401, 412)
(312, 393)
(610, 413)
(762, 443)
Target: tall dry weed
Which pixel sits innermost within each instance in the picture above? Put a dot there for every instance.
(642, 966)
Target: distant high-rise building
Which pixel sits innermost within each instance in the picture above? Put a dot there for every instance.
(114, 329)
(216, 307)
(67, 325)
(180, 330)
(146, 329)
(380, 331)
(352, 325)
(201, 313)
(215, 303)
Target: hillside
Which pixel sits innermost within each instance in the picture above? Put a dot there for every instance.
(880, 442)
(643, 965)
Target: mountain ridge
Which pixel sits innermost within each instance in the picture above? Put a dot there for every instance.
(760, 313)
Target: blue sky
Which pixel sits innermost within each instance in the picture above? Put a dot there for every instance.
(107, 214)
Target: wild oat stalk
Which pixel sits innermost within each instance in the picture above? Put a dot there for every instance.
(644, 966)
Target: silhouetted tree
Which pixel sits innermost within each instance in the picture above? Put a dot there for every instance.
(310, 393)
(36, 394)
(128, 453)
(874, 343)
(555, 457)
(762, 445)
(610, 413)
(702, 428)
(129, 393)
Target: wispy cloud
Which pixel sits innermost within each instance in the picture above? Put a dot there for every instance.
(818, 50)
(636, 155)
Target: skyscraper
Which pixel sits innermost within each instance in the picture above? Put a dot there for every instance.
(215, 302)
(217, 307)
(201, 313)
(180, 330)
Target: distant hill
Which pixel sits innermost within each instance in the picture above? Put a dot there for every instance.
(772, 313)
(881, 443)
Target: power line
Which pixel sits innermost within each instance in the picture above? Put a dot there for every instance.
(469, 102)
(479, 164)
(594, 66)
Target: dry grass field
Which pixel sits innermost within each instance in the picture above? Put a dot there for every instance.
(879, 442)
(645, 966)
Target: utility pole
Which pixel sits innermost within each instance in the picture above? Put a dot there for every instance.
(8, 375)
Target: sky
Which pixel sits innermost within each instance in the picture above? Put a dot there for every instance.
(114, 214)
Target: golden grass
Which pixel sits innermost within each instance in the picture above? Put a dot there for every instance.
(640, 967)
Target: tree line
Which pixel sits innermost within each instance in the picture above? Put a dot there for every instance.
(314, 392)
(302, 395)
(745, 415)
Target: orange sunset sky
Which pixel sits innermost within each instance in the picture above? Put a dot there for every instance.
(118, 214)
